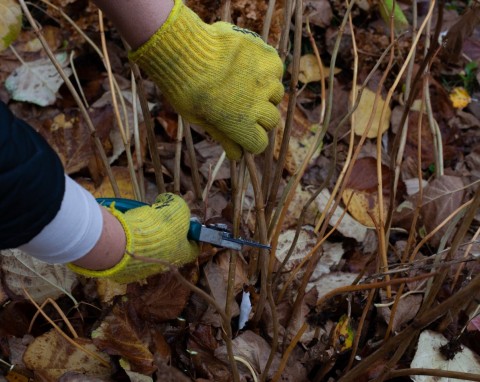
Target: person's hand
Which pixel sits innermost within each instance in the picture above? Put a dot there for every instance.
(220, 77)
(158, 232)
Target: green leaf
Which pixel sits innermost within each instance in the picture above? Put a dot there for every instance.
(400, 22)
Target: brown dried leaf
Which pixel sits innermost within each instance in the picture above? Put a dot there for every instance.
(361, 192)
(68, 133)
(52, 356)
(256, 351)
(217, 283)
(241, 272)
(209, 153)
(463, 28)
(319, 12)
(440, 198)
(123, 333)
(163, 298)
(15, 318)
(407, 309)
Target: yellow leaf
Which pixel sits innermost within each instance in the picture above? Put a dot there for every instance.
(460, 98)
(310, 70)
(10, 22)
(343, 335)
(363, 112)
(105, 190)
(363, 206)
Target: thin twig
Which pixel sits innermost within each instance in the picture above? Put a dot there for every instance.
(434, 373)
(61, 332)
(197, 187)
(151, 139)
(178, 156)
(290, 110)
(420, 322)
(136, 137)
(78, 100)
(124, 132)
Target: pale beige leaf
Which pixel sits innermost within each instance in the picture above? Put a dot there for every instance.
(429, 356)
(348, 226)
(310, 70)
(40, 279)
(107, 289)
(37, 81)
(331, 281)
(363, 112)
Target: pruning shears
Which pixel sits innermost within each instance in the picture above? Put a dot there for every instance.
(216, 234)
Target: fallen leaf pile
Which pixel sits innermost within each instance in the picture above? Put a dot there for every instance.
(373, 238)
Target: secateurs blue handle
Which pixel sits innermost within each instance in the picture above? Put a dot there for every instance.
(216, 234)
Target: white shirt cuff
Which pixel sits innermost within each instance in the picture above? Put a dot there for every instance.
(73, 232)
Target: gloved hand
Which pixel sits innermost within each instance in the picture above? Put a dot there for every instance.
(220, 77)
(159, 232)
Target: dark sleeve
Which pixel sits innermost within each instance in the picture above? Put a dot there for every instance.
(32, 181)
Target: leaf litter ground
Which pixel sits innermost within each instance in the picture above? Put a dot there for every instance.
(161, 330)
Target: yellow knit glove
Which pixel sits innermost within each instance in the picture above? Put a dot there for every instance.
(159, 232)
(220, 77)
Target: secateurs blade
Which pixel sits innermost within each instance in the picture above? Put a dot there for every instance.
(215, 234)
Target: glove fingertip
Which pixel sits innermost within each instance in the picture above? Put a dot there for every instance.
(276, 93)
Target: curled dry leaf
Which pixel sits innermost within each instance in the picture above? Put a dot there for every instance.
(241, 272)
(300, 199)
(40, 279)
(361, 115)
(51, 356)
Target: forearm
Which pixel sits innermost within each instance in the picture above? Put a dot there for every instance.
(109, 249)
(136, 20)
